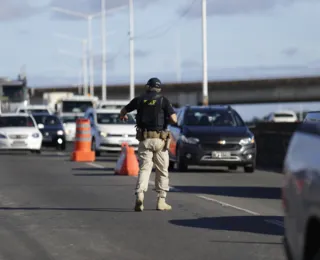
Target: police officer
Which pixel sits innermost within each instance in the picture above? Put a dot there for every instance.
(153, 113)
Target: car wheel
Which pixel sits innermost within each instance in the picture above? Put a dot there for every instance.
(249, 168)
(37, 151)
(232, 168)
(182, 165)
(61, 147)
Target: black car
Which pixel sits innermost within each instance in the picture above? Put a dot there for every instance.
(212, 135)
(52, 130)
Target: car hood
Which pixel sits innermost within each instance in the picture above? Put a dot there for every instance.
(118, 129)
(18, 130)
(205, 132)
(52, 128)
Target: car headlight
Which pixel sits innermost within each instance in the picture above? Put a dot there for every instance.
(189, 140)
(103, 134)
(35, 135)
(60, 132)
(245, 141)
(2, 136)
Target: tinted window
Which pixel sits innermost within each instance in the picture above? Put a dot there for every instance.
(16, 121)
(211, 118)
(283, 115)
(76, 106)
(313, 117)
(113, 118)
(38, 111)
(47, 120)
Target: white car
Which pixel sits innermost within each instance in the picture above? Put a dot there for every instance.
(283, 116)
(34, 109)
(109, 132)
(19, 132)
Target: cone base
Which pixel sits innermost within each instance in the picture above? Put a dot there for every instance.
(80, 156)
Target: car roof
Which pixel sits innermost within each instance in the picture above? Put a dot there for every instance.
(15, 115)
(206, 108)
(101, 111)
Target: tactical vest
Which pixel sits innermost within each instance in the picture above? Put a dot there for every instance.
(150, 115)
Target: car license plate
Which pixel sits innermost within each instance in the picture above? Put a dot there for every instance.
(221, 154)
(19, 143)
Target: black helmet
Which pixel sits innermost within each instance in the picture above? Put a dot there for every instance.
(154, 83)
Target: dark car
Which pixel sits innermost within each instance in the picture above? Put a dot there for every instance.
(212, 135)
(52, 130)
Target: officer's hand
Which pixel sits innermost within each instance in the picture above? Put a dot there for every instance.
(124, 118)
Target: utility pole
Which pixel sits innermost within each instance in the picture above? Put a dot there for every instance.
(85, 68)
(90, 56)
(104, 51)
(204, 52)
(131, 45)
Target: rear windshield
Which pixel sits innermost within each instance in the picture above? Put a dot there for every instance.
(213, 118)
(283, 115)
(16, 121)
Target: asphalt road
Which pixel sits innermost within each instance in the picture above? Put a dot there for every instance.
(52, 208)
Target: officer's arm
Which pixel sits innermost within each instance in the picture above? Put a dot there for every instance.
(170, 111)
(129, 108)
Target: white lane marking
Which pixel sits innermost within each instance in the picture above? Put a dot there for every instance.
(228, 205)
(95, 165)
(273, 222)
(61, 154)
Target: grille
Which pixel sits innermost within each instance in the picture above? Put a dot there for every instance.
(19, 137)
(220, 147)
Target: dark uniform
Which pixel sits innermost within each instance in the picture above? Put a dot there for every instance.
(153, 113)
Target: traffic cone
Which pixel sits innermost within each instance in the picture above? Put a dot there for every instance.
(82, 149)
(127, 163)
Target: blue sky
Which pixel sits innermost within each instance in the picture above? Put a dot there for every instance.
(246, 39)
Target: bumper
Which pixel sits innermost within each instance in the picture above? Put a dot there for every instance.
(53, 140)
(195, 155)
(114, 144)
(34, 144)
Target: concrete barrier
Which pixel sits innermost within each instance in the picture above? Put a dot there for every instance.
(272, 142)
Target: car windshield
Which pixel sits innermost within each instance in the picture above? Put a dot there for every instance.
(213, 118)
(16, 121)
(113, 118)
(47, 120)
(69, 119)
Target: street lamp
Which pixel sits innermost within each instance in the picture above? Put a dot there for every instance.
(131, 46)
(204, 54)
(89, 18)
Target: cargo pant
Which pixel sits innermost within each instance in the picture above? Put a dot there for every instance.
(152, 151)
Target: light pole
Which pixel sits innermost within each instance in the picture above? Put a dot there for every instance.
(89, 18)
(104, 51)
(204, 53)
(131, 45)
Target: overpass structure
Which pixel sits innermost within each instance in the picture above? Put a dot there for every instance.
(220, 92)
